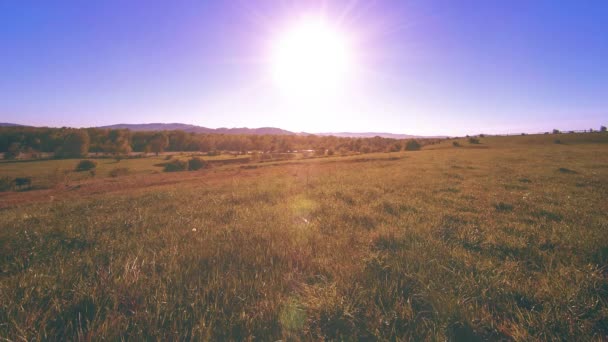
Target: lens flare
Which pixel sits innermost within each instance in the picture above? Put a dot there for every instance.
(311, 58)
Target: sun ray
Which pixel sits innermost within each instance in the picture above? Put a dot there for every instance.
(312, 56)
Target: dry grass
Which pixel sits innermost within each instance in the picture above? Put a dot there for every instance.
(445, 243)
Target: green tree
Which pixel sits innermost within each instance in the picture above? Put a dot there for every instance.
(75, 144)
(13, 151)
(158, 143)
(396, 147)
(119, 142)
(177, 141)
(412, 145)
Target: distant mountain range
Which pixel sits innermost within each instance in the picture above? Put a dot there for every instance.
(243, 130)
(198, 129)
(6, 124)
(371, 135)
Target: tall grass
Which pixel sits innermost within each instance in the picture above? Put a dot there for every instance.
(372, 248)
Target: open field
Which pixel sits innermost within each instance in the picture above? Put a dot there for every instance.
(506, 240)
(48, 173)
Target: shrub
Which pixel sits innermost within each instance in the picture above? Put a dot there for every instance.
(5, 184)
(473, 141)
(169, 157)
(556, 131)
(503, 206)
(455, 143)
(86, 165)
(603, 129)
(565, 170)
(196, 164)
(330, 152)
(13, 152)
(213, 153)
(175, 165)
(119, 171)
(412, 145)
(557, 141)
(23, 181)
(394, 148)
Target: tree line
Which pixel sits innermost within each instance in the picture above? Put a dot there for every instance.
(74, 143)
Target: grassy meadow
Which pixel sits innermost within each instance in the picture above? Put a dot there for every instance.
(503, 240)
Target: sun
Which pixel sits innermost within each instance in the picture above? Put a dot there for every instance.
(311, 58)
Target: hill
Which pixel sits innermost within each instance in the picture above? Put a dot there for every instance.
(256, 131)
(243, 130)
(7, 124)
(198, 129)
(376, 134)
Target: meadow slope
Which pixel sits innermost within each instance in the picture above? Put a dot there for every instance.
(505, 240)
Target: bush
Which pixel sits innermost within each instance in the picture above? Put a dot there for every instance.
(20, 182)
(13, 152)
(473, 141)
(455, 143)
(213, 153)
(86, 165)
(394, 148)
(175, 165)
(503, 207)
(119, 171)
(412, 145)
(603, 129)
(169, 157)
(557, 141)
(6, 184)
(196, 164)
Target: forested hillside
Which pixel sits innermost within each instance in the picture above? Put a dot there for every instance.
(70, 142)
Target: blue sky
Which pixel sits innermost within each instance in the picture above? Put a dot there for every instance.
(426, 67)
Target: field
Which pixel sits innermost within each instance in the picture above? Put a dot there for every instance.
(504, 240)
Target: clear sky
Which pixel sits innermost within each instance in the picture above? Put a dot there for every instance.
(420, 67)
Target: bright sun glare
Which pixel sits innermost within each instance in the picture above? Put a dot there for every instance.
(311, 58)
